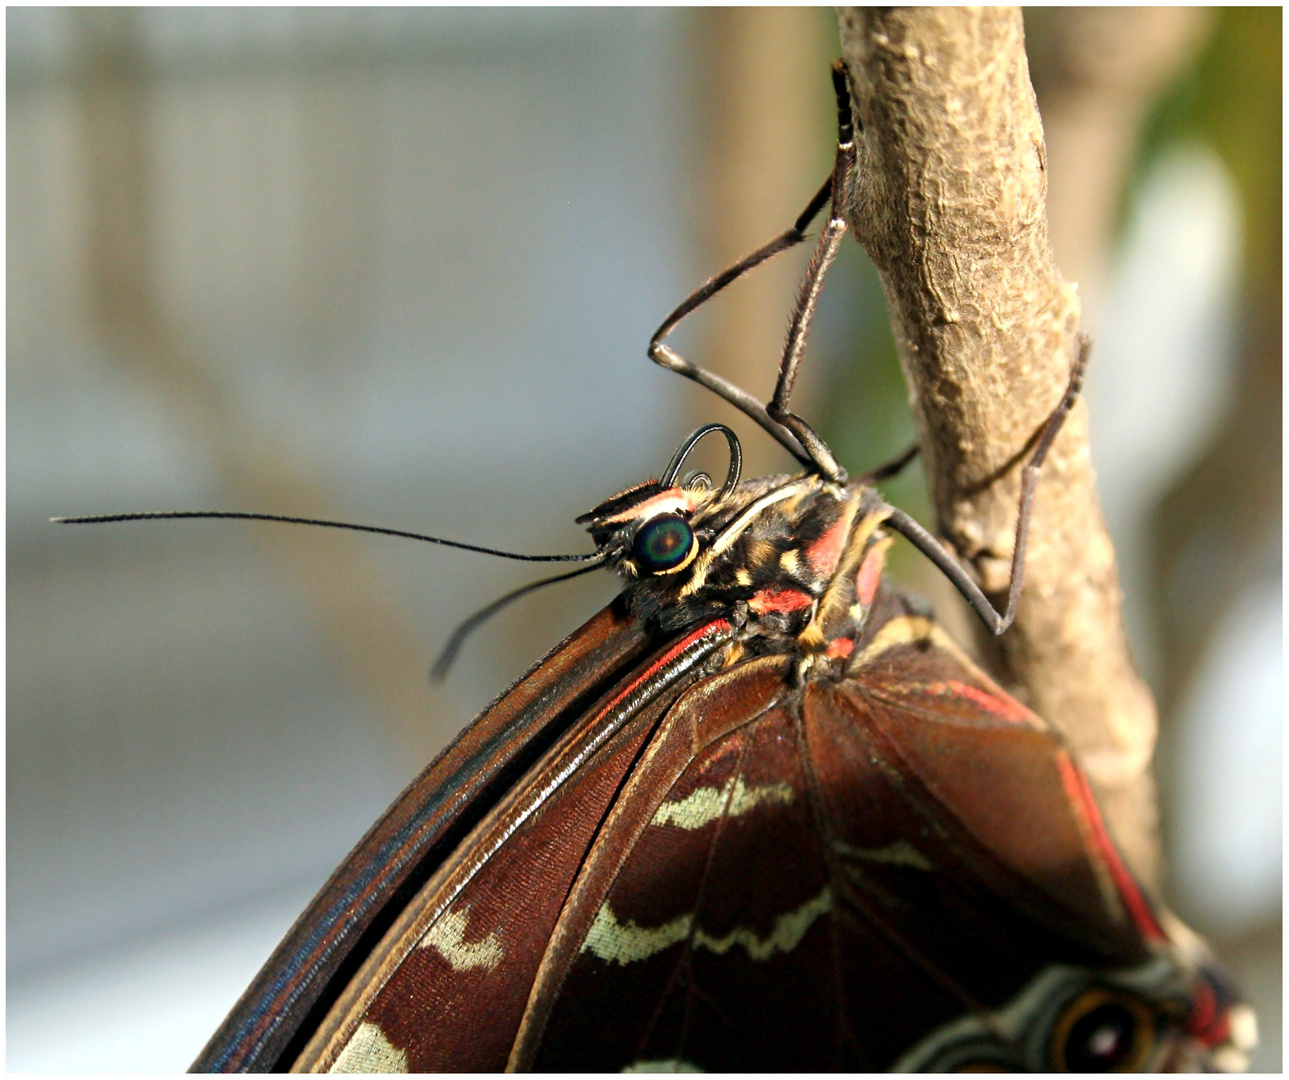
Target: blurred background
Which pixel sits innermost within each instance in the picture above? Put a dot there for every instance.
(400, 267)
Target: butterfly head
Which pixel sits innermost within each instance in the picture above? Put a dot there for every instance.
(780, 555)
(649, 530)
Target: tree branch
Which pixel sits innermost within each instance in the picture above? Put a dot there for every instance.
(950, 205)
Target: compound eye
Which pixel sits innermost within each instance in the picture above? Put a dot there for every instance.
(1102, 1032)
(663, 544)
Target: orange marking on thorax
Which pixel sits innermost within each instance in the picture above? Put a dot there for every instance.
(840, 647)
(870, 573)
(824, 553)
(779, 600)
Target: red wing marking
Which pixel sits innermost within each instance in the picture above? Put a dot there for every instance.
(715, 626)
(1080, 796)
(1218, 1032)
(1004, 707)
(779, 600)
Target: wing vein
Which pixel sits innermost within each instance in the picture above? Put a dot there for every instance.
(901, 941)
(687, 953)
(815, 799)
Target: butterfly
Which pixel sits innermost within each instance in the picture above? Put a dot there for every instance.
(759, 813)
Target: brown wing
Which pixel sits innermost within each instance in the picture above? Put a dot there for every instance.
(825, 877)
(300, 981)
(740, 872)
(445, 988)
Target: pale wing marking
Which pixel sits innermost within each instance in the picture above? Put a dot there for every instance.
(447, 935)
(706, 804)
(369, 1051)
(900, 853)
(625, 942)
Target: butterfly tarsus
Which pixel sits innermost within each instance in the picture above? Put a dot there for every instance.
(892, 468)
(935, 550)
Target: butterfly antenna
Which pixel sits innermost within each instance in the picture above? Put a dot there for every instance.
(154, 515)
(449, 654)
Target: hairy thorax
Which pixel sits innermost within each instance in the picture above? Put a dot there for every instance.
(793, 562)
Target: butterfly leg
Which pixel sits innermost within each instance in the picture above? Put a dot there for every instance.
(665, 356)
(891, 468)
(812, 285)
(934, 550)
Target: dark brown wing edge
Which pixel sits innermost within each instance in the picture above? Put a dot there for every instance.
(301, 979)
(427, 993)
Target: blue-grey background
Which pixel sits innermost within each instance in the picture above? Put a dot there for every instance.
(400, 267)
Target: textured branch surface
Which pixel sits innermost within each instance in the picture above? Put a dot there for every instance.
(950, 205)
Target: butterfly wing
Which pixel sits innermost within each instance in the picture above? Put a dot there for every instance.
(740, 870)
(895, 870)
(447, 985)
(354, 909)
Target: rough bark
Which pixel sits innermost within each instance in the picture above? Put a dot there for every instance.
(950, 205)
